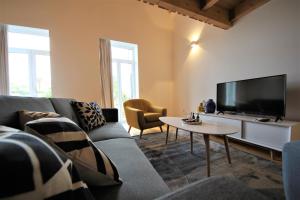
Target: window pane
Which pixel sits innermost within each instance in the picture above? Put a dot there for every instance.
(28, 38)
(122, 53)
(43, 76)
(126, 82)
(19, 74)
(29, 61)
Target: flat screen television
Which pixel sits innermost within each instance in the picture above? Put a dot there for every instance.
(259, 96)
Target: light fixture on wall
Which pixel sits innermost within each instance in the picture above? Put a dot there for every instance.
(195, 44)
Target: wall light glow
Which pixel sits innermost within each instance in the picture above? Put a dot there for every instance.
(195, 37)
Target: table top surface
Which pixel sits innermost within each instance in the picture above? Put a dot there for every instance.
(207, 127)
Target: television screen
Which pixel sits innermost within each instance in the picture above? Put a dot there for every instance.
(262, 96)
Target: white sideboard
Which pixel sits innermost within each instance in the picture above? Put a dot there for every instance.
(272, 135)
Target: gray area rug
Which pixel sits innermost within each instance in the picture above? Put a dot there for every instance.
(178, 167)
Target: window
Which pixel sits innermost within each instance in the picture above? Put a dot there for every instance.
(29, 61)
(125, 73)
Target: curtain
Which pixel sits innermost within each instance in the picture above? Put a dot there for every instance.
(4, 81)
(106, 100)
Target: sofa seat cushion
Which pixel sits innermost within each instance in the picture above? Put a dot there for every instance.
(217, 188)
(110, 130)
(140, 180)
(152, 117)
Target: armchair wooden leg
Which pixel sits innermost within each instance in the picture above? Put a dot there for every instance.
(161, 130)
(129, 129)
(141, 133)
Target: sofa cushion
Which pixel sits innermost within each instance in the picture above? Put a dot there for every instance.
(10, 106)
(216, 188)
(90, 115)
(31, 169)
(110, 130)
(152, 117)
(93, 165)
(140, 180)
(26, 116)
(64, 107)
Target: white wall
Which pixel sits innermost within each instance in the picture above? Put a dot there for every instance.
(75, 28)
(265, 42)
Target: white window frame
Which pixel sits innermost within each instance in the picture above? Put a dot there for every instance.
(31, 53)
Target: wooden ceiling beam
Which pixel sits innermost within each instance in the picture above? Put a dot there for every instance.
(209, 11)
(216, 16)
(208, 4)
(245, 7)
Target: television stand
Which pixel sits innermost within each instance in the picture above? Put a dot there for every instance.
(272, 135)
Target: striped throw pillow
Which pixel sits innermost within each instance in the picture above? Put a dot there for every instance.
(26, 116)
(94, 166)
(4, 129)
(31, 169)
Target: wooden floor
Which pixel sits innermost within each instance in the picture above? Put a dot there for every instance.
(265, 153)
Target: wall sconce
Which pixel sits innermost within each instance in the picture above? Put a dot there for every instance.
(195, 44)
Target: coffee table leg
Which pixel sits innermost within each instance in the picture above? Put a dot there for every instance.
(227, 149)
(206, 140)
(191, 137)
(176, 133)
(167, 134)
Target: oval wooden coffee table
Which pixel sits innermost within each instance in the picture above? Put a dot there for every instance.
(207, 128)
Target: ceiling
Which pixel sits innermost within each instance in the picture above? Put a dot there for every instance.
(220, 13)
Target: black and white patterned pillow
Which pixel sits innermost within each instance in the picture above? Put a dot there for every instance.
(90, 115)
(93, 165)
(26, 116)
(31, 169)
(4, 129)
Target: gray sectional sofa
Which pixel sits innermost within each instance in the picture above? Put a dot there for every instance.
(140, 179)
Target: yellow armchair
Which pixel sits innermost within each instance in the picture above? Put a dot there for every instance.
(141, 114)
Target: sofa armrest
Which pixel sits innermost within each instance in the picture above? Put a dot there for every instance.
(157, 109)
(290, 170)
(110, 114)
(134, 117)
